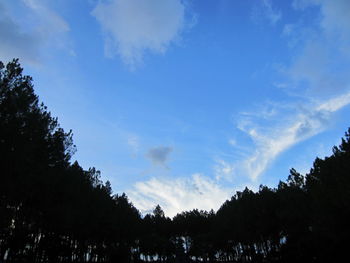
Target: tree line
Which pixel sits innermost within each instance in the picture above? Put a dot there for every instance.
(52, 210)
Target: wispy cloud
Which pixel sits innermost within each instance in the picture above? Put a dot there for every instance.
(133, 142)
(272, 139)
(317, 70)
(266, 11)
(180, 194)
(16, 42)
(324, 59)
(51, 22)
(320, 75)
(335, 104)
(43, 28)
(132, 27)
(335, 16)
(224, 170)
(271, 13)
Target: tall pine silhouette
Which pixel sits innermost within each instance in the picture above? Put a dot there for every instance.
(52, 210)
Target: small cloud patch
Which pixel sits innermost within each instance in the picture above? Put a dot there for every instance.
(159, 155)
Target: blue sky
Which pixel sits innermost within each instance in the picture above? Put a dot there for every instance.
(182, 103)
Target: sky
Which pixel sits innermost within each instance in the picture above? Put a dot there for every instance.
(184, 102)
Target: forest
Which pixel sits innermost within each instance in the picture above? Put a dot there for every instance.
(52, 210)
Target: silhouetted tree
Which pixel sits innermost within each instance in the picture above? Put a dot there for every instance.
(52, 210)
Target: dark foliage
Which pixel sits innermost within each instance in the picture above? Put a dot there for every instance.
(52, 210)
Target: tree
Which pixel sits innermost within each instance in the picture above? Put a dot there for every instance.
(328, 186)
(54, 211)
(32, 149)
(158, 211)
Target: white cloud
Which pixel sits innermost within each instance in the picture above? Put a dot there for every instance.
(232, 142)
(302, 4)
(296, 126)
(335, 104)
(336, 22)
(159, 155)
(275, 130)
(323, 63)
(132, 27)
(180, 194)
(265, 10)
(312, 66)
(223, 170)
(288, 29)
(335, 15)
(272, 14)
(320, 69)
(133, 142)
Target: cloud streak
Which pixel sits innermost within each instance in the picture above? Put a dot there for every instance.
(269, 143)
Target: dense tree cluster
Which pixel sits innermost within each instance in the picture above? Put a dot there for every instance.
(52, 210)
